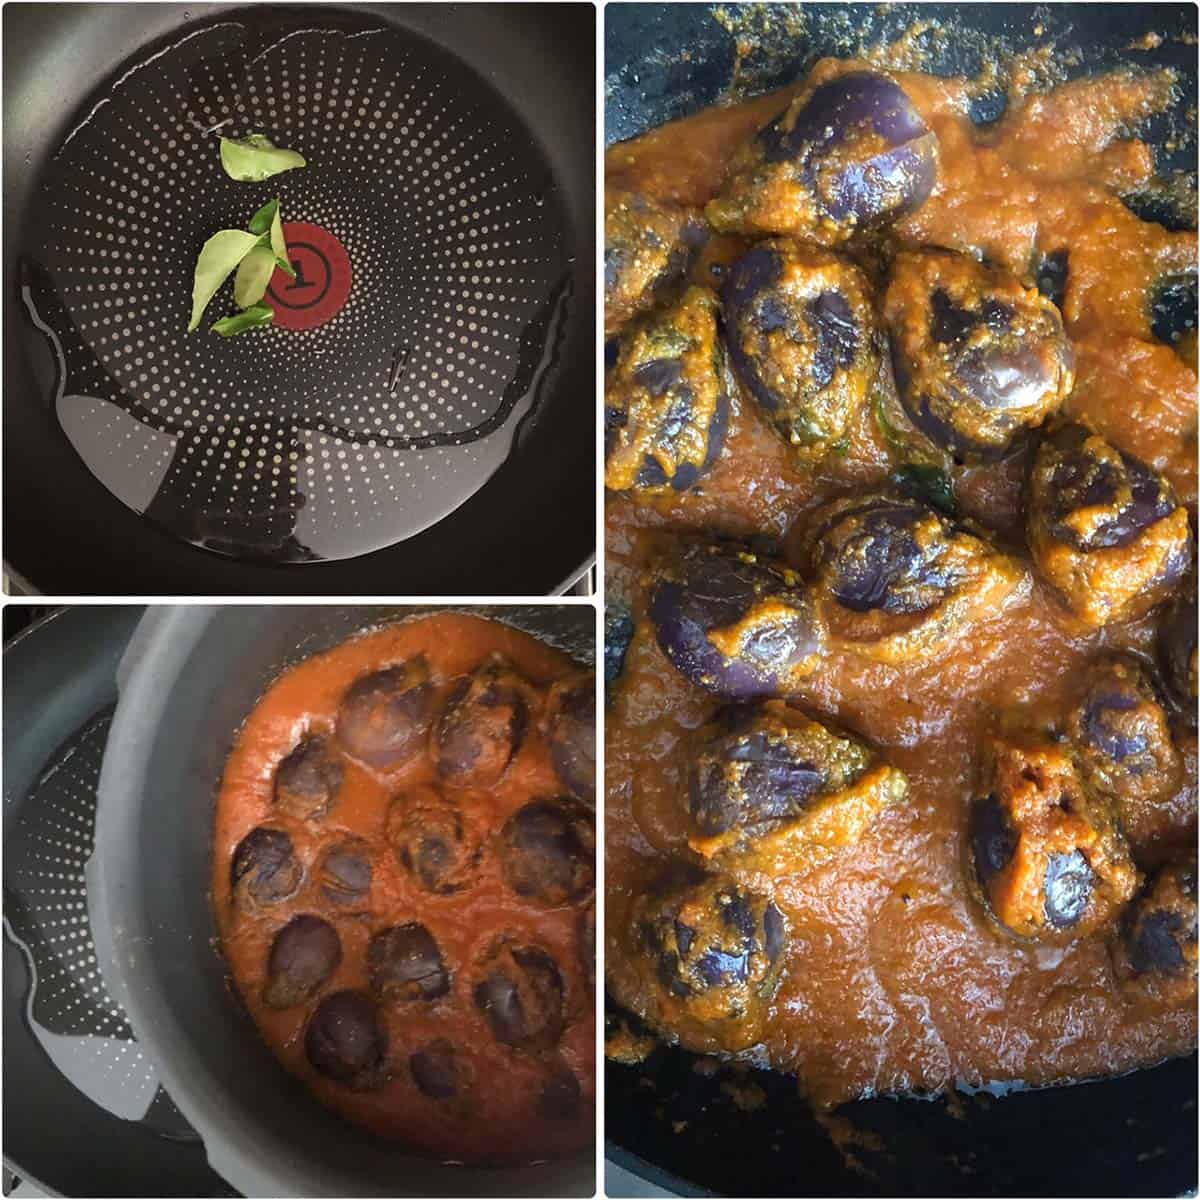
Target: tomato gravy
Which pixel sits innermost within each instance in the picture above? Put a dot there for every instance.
(496, 1115)
(894, 979)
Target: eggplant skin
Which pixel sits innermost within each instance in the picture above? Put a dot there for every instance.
(1048, 854)
(406, 964)
(346, 1040)
(520, 994)
(731, 623)
(893, 579)
(666, 401)
(304, 954)
(264, 869)
(980, 360)
(571, 732)
(1105, 531)
(648, 247)
(384, 717)
(709, 953)
(802, 336)
(756, 766)
(1122, 734)
(483, 726)
(308, 779)
(855, 154)
(1177, 651)
(436, 1070)
(344, 872)
(547, 852)
(1160, 931)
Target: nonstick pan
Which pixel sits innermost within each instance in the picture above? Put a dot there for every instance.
(188, 680)
(671, 1121)
(420, 419)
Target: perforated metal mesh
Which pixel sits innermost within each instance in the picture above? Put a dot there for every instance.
(299, 444)
(79, 1025)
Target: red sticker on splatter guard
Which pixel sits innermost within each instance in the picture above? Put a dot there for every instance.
(322, 281)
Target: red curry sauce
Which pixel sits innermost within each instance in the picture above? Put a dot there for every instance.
(496, 1118)
(894, 978)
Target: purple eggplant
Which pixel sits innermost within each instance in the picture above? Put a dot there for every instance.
(433, 841)
(483, 725)
(1123, 735)
(1106, 532)
(304, 954)
(265, 869)
(800, 327)
(854, 154)
(755, 767)
(406, 964)
(344, 872)
(571, 732)
(307, 780)
(520, 994)
(713, 939)
(733, 624)
(547, 852)
(648, 247)
(384, 717)
(1048, 853)
(1159, 931)
(667, 400)
(894, 579)
(436, 1069)
(979, 359)
(346, 1040)
(1177, 651)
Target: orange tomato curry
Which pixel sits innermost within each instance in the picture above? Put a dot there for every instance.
(498, 1113)
(894, 979)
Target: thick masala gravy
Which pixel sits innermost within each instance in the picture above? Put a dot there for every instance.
(894, 979)
(498, 1112)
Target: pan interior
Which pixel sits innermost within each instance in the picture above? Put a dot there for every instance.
(295, 444)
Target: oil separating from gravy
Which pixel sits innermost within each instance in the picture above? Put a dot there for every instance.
(894, 979)
(496, 1117)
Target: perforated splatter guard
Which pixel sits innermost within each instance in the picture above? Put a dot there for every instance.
(432, 258)
(82, 1029)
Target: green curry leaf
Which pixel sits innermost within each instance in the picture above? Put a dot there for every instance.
(279, 245)
(263, 219)
(255, 158)
(930, 484)
(253, 274)
(219, 256)
(252, 318)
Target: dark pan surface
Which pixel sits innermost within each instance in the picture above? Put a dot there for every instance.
(464, 203)
(681, 1128)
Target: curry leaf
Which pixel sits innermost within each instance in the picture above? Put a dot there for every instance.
(252, 318)
(891, 435)
(930, 484)
(253, 274)
(219, 256)
(279, 245)
(255, 158)
(263, 219)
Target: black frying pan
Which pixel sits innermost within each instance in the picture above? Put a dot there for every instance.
(450, 152)
(678, 1129)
